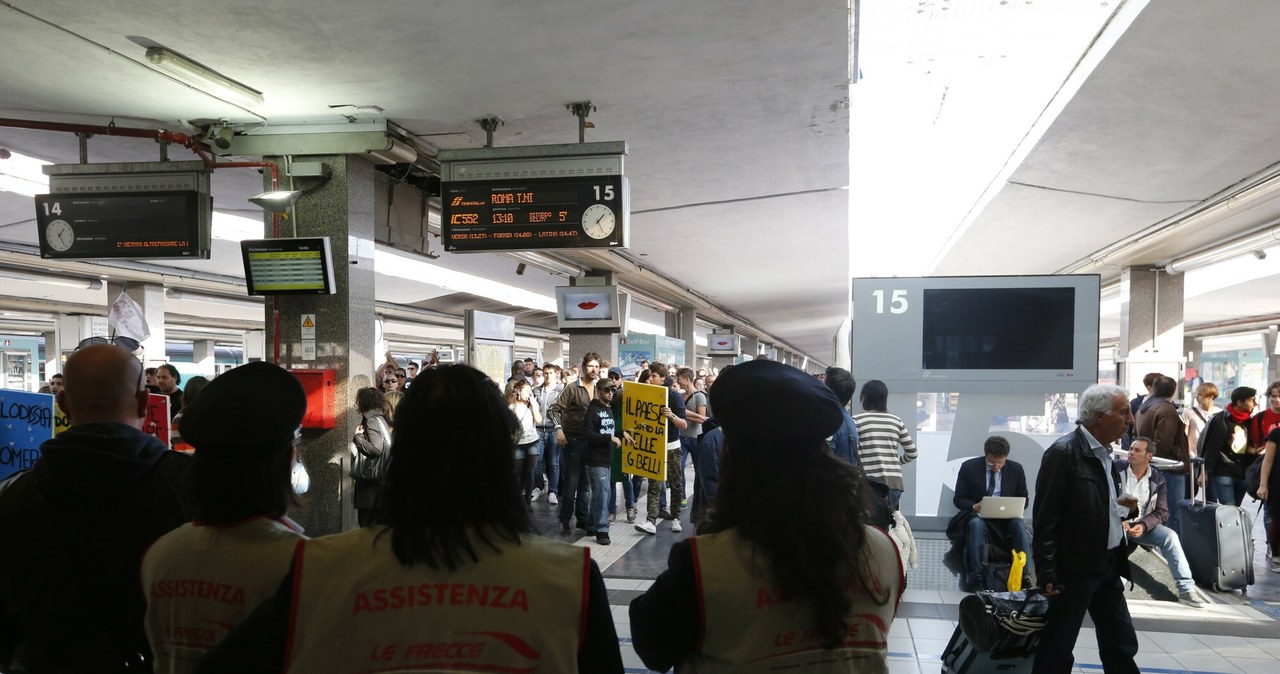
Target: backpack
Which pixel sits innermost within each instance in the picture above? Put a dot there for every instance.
(1253, 478)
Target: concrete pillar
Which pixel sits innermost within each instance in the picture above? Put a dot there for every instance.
(341, 209)
(603, 345)
(1151, 325)
(750, 346)
(687, 318)
(552, 352)
(254, 344)
(52, 356)
(1269, 340)
(151, 298)
(671, 323)
(202, 356)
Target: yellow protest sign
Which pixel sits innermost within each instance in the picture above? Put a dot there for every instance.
(646, 454)
(61, 421)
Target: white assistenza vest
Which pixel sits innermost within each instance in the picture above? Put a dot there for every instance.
(357, 609)
(747, 627)
(203, 580)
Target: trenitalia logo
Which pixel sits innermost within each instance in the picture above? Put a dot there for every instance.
(460, 201)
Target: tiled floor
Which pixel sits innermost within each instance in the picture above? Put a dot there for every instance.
(1235, 634)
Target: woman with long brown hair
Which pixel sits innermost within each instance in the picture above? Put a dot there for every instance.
(786, 574)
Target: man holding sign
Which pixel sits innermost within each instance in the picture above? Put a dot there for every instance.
(669, 418)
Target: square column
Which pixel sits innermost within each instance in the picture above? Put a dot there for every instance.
(1151, 326)
(341, 209)
(687, 318)
(151, 298)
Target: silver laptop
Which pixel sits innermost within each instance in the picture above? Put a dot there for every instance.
(1002, 507)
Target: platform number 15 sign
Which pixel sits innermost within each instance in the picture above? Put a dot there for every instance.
(897, 301)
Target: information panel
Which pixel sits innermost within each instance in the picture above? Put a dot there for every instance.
(535, 214)
(301, 266)
(126, 224)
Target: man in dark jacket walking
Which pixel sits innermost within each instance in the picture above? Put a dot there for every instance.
(76, 525)
(1158, 418)
(1079, 542)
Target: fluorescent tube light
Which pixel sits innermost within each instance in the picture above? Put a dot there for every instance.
(200, 77)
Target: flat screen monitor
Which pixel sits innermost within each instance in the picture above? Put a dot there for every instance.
(591, 307)
(998, 334)
(724, 344)
(152, 225)
(298, 266)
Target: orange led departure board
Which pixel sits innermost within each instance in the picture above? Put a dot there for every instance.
(535, 214)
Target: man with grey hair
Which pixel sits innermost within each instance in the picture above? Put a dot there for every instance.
(1079, 542)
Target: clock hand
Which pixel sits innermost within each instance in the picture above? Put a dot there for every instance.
(600, 218)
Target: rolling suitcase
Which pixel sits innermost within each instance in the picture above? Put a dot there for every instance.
(1218, 541)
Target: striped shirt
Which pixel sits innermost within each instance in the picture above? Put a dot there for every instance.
(880, 434)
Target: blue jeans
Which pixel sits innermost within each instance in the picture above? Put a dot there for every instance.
(598, 519)
(576, 487)
(1102, 597)
(688, 447)
(1167, 540)
(532, 478)
(628, 495)
(976, 536)
(1228, 490)
(1177, 491)
(551, 458)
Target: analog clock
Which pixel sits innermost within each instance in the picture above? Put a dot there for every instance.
(59, 235)
(598, 221)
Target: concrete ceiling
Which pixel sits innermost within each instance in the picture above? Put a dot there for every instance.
(737, 118)
(735, 113)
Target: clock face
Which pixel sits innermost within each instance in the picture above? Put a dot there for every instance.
(598, 221)
(59, 235)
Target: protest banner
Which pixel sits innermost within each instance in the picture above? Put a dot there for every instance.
(646, 454)
(26, 421)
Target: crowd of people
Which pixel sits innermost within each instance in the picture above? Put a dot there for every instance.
(788, 484)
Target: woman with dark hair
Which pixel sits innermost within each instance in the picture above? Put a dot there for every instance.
(786, 551)
(373, 441)
(203, 578)
(880, 436)
(454, 581)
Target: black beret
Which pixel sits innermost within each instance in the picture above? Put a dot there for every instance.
(764, 400)
(256, 406)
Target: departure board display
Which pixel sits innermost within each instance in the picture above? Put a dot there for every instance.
(535, 214)
(302, 266)
(121, 225)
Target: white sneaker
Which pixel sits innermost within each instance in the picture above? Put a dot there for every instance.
(551, 498)
(1274, 565)
(675, 525)
(1191, 598)
(647, 527)
(533, 495)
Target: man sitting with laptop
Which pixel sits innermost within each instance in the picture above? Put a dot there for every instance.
(991, 494)
(1143, 505)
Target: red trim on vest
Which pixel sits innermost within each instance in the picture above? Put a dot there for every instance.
(293, 607)
(586, 594)
(702, 603)
(902, 574)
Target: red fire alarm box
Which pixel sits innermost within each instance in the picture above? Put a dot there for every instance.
(320, 393)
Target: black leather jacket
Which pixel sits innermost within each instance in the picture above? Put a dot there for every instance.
(1071, 511)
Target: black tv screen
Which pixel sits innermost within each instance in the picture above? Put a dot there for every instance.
(999, 328)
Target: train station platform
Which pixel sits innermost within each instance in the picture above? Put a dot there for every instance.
(1237, 633)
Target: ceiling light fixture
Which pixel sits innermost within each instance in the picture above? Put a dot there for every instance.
(208, 81)
(61, 281)
(277, 201)
(1229, 249)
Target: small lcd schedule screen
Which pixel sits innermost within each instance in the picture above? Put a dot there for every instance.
(126, 224)
(301, 266)
(535, 214)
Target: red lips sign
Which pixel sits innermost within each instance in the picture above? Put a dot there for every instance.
(588, 306)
